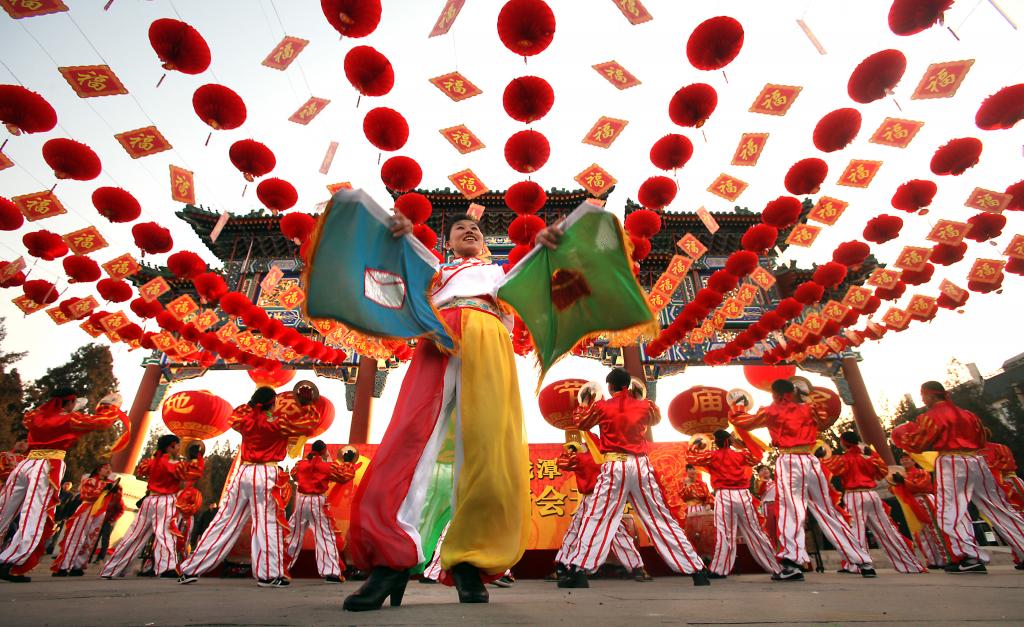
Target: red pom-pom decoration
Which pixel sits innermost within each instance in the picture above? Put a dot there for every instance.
(525, 197)
(782, 213)
(369, 71)
(297, 226)
(852, 253)
(152, 238)
(893, 293)
(179, 46)
(25, 111)
(528, 98)
(114, 290)
(1014, 265)
(401, 173)
(524, 229)
(219, 107)
(947, 254)
(957, 156)
(11, 218)
(186, 265)
(909, 17)
(882, 228)
(808, 292)
(352, 18)
(526, 27)
(527, 151)
(425, 234)
(722, 281)
(277, 194)
(671, 152)
(985, 226)
(386, 129)
(251, 158)
(836, 130)
(643, 223)
(210, 286)
(789, 308)
(985, 288)
(693, 105)
(641, 248)
(45, 245)
(806, 176)
(759, 238)
(657, 192)
(146, 308)
(914, 195)
(517, 253)
(115, 204)
(71, 160)
(918, 277)
(41, 292)
(1002, 109)
(830, 274)
(81, 269)
(414, 206)
(876, 76)
(714, 43)
(741, 263)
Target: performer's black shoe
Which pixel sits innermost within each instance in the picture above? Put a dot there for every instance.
(145, 573)
(60, 573)
(276, 582)
(187, 579)
(714, 575)
(1019, 566)
(169, 574)
(700, 578)
(504, 582)
(382, 583)
(641, 575)
(334, 579)
(468, 583)
(967, 565)
(789, 572)
(427, 580)
(936, 567)
(560, 571)
(867, 571)
(5, 574)
(76, 572)
(574, 578)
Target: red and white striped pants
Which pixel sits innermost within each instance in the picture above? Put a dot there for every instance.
(930, 539)
(802, 486)
(868, 511)
(734, 514)
(630, 480)
(623, 547)
(28, 494)
(962, 479)
(153, 519)
(250, 495)
(311, 511)
(76, 547)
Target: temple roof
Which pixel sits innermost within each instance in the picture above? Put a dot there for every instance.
(258, 228)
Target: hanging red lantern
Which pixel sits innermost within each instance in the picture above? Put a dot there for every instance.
(25, 111)
(66, 306)
(909, 17)
(882, 228)
(11, 218)
(45, 245)
(179, 46)
(836, 130)
(722, 281)
(14, 281)
(524, 229)
(272, 378)
(914, 195)
(186, 264)
(808, 293)
(947, 254)
(114, 290)
(401, 173)
(657, 192)
(527, 151)
(146, 308)
(526, 27)
(714, 43)
(643, 223)
(782, 213)
(352, 18)
(1016, 192)
(957, 156)
(876, 76)
(297, 226)
(700, 409)
(558, 401)
(806, 176)
(71, 160)
(852, 253)
(152, 238)
(985, 226)
(81, 269)
(1002, 109)
(525, 197)
(693, 105)
(985, 288)
(759, 238)
(40, 292)
(386, 129)
(277, 194)
(414, 206)
(115, 204)
(948, 302)
(918, 277)
(671, 152)
(219, 107)
(425, 235)
(740, 263)
(830, 274)
(826, 402)
(528, 98)
(641, 248)
(891, 293)
(251, 158)
(369, 71)
(196, 415)
(1014, 265)
(762, 377)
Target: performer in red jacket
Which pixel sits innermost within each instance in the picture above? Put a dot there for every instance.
(767, 503)
(156, 515)
(730, 467)
(915, 489)
(794, 427)
(626, 475)
(859, 471)
(1004, 468)
(961, 476)
(9, 460)
(255, 490)
(84, 525)
(31, 491)
(313, 477)
(186, 504)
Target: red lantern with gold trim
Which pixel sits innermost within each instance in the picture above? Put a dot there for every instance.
(876, 76)
(179, 46)
(25, 111)
(557, 402)
(273, 378)
(196, 415)
(826, 401)
(71, 160)
(286, 403)
(700, 409)
(762, 377)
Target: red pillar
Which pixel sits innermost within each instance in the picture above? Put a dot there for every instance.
(868, 424)
(139, 416)
(366, 377)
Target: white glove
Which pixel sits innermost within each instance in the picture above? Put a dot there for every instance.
(80, 404)
(112, 399)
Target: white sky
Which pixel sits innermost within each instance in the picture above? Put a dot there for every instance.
(241, 34)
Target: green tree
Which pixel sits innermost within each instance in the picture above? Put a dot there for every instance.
(90, 372)
(218, 463)
(11, 395)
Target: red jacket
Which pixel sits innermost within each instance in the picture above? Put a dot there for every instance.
(585, 468)
(917, 481)
(944, 427)
(265, 434)
(730, 469)
(165, 476)
(623, 420)
(856, 470)
(313, 476)
(696, 491)
(49, 427)
(790, 424)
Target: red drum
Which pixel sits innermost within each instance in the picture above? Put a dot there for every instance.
(700, 530)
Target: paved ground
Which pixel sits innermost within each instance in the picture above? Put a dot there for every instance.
(934, 599)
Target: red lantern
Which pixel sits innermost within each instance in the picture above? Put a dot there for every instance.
(806, 176)
(115, 204)
(219, 107)
(252, 158)
(671, 152)
(985, 226)
(957, 156)
(71, 160)
(426, 235)
(528, 98)
(527, 151)
(152, 238)
(893, 293)
(782, 213)
(517, 253)
(852, 253)
(186, 264)
(876, 76)
(40, 292)
(948, 302)
(352, 18)
(45, 245)
(693, 105)
(836, 130)
(277, 194)
(641, 247)
(909, 17)
(81, 269)
(740, 263)
(558, 401)
(179, 46)
(196, 415)
(830, 274)
(759, 238)
(25, 111)
(526, 27)
(643, 223)
(1016, 191)
(1002, 109)
(386, 129)
(11, 218)
(657, 192)
(700, 409)
(414, 206)
(918, 277)
(524, 229)
(525, 197)
(290, 408)
(401, 173)
(825, 401)
(882, 228)
(369, 71)
(297, 226)
(914, 195)
(114, 290)
(14, 281)
(714, 43)
(146, 308)
(272, 378)
(808, 292)
(762, 377)
(947, 254)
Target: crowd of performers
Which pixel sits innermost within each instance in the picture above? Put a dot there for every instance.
(467, 405)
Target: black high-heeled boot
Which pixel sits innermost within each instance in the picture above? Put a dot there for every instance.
(382, 583)
(468, 583)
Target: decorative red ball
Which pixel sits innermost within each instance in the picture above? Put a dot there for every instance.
(525, 197)
(782, 213)
(714, 43)
(671, 152)
(527, 151)
(957, 156)
(369, 71)
(806, 176)
(693, 105)
(526, 27)
(528, 98)
(657, 192)
(836, 130)
(414, 206)
(876, 76)
(386, 129)
(401, 173)
(643, 223)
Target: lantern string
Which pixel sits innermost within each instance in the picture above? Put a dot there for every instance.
(298, 62)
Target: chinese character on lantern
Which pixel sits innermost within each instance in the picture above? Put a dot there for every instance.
(857, 297)
(859, 173)
(19, 9)
(727, 187)
(121, 266)
(913, 258)
(595, 180)
(948, 232)
(988, 200)
(143, 142)
(85, 241)
(692, 246)
(182, 185)
(634, 11)
(39, 205)
(468, 183)
(885, 278)
(447, 18)
(803, 235)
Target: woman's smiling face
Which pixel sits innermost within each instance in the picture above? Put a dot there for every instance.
(465, 239)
